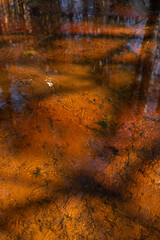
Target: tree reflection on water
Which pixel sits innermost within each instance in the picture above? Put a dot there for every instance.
(79, 123)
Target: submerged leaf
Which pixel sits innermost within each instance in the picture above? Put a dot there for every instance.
(103, 124)
(29, 52)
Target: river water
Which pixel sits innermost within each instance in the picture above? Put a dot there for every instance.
(79, 120)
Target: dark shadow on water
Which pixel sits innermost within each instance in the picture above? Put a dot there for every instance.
(84, 183)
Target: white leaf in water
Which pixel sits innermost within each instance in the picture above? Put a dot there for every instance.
(50, 84)
(48, 81)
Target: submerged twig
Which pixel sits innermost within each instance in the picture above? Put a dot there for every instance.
(6, 135)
